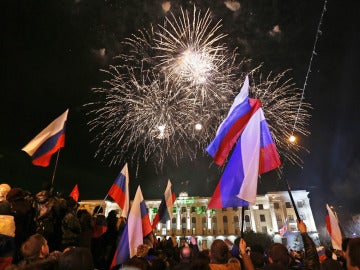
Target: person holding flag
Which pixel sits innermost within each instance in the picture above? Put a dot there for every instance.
(137, 227)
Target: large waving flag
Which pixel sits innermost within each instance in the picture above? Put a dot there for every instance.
(254, 153)
(165, 209)
(137, 226)
(119, 191)
(47, 142)
(333, 228)
(230, 129)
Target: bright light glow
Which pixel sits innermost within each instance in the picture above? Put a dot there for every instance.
(194, 66)
(292, 139)
(161, 129)
(198, 126)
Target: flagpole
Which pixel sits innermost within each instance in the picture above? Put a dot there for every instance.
(97, 212)
(242, 221)
(291, 198)
(56, 163)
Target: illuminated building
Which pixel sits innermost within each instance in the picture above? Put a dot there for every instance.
(268, 215)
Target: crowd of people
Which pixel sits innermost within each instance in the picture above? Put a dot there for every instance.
(49, 232)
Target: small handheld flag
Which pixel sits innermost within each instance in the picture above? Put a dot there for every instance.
(119, 191)
(75, 193)
(283, 229)
(333, 228)
(137, 226)
(47, 142)
(165, 209)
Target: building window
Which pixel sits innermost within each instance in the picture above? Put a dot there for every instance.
(236, 221)
(193, 209)
(183, 209)
(302, 216)
(183, 223)
(163, 231)
(225, 223)
(263, 229)
(235, 208)
(214, 223)
(261, 206)
(193, 221)
(174, 210)
(246, 207)
(276, 205)
(278, 218)
(173, 223)
(291, 218)
(262, 218)
(288, 205)
(300, 204)
(223, 209)
(204, 225)
(203, 221)
(193, 225)
(247, 218)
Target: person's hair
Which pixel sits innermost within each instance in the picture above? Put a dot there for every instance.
(234, 260)
(353, 250)
(158, 264)
(279, 254)
(78, 258)
(142, 250)
(139, 263)
(31, 248)
(219, 251)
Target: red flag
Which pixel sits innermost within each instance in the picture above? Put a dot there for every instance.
(75, 193)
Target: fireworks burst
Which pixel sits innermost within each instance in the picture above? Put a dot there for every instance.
(174, 86)
(168, 94)
(150, 117)
(189, 50)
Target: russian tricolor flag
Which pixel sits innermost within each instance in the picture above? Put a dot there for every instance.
(165, 209)
(119, 191)
(47, 142)
(230, 129)
(254, 153)
(137, 226)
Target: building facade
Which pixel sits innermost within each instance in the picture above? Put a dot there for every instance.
(272, 214)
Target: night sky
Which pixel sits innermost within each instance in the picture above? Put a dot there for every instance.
(50, 61)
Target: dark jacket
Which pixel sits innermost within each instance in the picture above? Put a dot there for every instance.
(311, 257)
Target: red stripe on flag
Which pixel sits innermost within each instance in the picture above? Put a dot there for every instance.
(44, 160)
(328, 223)
(215, 201)
(234, 133)
(117, 194)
